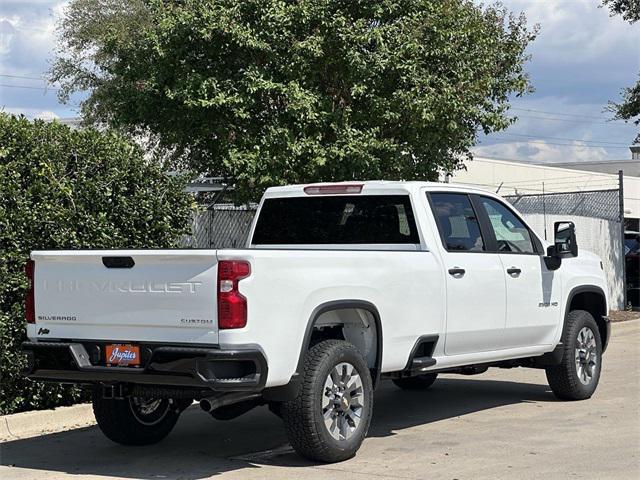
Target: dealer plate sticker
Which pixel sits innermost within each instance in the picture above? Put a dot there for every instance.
(119, 355)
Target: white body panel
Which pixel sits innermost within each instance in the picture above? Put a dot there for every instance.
(533, 301)
(167, 295)
(475, 303)
(484, 316)
(406, 288)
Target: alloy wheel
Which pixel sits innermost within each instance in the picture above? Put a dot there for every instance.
(586, 355)
(343, 401)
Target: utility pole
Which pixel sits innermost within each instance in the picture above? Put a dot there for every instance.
(621, 216)
(544, 211)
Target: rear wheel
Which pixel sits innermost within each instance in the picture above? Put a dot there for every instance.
(135, 420)
(419, 382)
(329, 418)
(578, 374)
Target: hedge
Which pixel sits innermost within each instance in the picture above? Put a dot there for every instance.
(62, 188)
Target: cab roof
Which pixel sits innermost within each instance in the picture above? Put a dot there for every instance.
(367, 187)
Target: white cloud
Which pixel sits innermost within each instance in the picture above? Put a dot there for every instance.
(7, 32)
(27, 42)
(537, 151)
(31, 113)
(575, 132)
(577, 31)
(46, 115)
(31, 36)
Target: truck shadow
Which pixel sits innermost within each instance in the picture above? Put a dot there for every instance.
(201, 447)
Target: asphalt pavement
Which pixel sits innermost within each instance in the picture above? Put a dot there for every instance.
(501, 424)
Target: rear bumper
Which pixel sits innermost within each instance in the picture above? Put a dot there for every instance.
(242, 369)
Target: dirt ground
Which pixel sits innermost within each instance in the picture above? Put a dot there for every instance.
(623, 315)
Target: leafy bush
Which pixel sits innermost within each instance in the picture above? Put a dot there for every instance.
(63, 188)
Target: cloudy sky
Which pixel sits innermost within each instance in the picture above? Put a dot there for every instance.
(581, 60)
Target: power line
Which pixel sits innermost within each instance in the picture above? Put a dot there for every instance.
(561, 138)
(525, 188)
(564, 144)
(559, 184)
(566, 120)
(597, 176)
(558, 113)
(29, 87)
(22, 76)
(549, 185)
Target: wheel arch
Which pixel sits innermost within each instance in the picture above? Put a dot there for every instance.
(592, 299)
(347, 304)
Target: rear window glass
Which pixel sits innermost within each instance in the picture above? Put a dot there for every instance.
(367, 219)
(457, 222)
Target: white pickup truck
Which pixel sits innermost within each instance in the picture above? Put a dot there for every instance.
(339, 287)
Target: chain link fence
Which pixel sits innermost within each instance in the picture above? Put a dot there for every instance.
(222, 226)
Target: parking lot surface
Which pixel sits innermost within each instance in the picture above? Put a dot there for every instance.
(502, 424)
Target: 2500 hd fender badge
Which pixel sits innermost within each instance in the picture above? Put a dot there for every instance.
(547, 304)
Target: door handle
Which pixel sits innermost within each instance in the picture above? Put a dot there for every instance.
(457, 271)
(514, 271)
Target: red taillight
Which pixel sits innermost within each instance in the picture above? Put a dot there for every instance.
(29, 304)
(232, 305)
(338, 188)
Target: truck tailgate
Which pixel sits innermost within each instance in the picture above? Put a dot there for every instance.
(128, 295)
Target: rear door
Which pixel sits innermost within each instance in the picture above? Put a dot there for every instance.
(141, 295)
(533, 293)
(475, 280)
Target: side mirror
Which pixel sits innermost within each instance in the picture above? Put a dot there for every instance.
(564, 234)
(564, 244)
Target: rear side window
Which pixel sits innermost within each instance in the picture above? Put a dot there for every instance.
(457, 222)
(318, 220)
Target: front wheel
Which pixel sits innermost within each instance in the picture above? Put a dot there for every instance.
(135, 420)
(329, 418)
(578, 374)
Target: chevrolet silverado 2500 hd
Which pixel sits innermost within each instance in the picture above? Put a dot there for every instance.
(339, 287)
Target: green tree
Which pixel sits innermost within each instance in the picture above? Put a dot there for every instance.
(629, 9)
(63, 188)
(271, 92)
(629, 108)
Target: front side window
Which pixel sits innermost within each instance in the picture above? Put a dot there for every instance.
(457, 222)
(511, 234)
(320, 220)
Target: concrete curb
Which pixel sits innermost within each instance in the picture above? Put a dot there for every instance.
(42, 422)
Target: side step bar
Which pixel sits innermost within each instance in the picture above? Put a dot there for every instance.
(420, 363)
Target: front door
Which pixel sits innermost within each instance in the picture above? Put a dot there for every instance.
(533, 295)
(475, 279)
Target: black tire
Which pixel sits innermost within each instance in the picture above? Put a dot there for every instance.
(565, 378)
(419, 382)
(304, 416)
(276, 409)
(122, 424)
